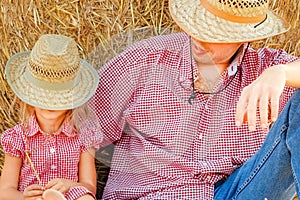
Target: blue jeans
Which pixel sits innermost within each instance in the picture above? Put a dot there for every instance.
(274, 171)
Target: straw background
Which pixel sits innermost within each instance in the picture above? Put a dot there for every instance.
(100, 24)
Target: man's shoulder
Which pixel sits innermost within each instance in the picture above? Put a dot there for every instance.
(277, 55)
(172, 42)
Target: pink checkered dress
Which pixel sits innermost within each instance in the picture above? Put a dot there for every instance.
(53, 156)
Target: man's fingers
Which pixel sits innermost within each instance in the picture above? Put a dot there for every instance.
(264, 111)
(251, 112)
(241, 108)
(246, 108)
(274, 107)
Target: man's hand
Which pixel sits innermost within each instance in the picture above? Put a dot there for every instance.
(263, 95)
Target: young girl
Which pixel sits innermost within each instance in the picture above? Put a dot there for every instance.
(50, 154)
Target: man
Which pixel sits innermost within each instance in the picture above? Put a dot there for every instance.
(188, 112)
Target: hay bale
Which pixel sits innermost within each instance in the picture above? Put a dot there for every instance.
(92, 23)
(89, 22)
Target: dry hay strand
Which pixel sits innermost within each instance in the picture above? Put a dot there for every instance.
(90, 23)
(117, 43)
(290, 41)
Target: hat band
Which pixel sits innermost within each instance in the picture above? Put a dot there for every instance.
(51, 86)
(230, 17)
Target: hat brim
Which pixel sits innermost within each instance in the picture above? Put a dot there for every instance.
(202, 25)
(54, 98)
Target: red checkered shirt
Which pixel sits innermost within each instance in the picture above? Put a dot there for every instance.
(166, 148)
(53, 156)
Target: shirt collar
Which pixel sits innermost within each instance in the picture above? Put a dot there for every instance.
(34, 128)
(237, 61)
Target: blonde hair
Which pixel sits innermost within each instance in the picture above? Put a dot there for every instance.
(77, 117)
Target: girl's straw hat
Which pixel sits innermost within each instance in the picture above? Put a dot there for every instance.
(227, 21)
(52, 76)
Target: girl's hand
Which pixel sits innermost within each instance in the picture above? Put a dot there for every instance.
(61, 185)
(261, 95)
(53, 194)
(33, 192)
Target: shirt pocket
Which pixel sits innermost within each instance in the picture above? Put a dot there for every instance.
(160, 117)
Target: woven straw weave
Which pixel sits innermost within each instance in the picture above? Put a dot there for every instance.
(245, 8)
(52, 76)
(223, 21)
(61, 66)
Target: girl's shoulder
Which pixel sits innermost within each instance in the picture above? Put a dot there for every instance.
(12, 140)
(17, 130)
(12, 134)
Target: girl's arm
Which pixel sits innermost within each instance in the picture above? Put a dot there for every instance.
(9, 181)
(87, 170)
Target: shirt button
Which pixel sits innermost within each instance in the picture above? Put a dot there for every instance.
(200, 136)
(52, 150)
(232, 70)
(206, 106)
(53, 167)
(208, 177)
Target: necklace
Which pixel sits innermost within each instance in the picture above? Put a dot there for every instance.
(194, 93)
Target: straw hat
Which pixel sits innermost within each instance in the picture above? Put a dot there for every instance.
(227, 21)
(52, 76)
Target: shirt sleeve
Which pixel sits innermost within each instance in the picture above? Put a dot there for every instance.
(90, 135)
(12, 142)
(76, 192)
(116, 90)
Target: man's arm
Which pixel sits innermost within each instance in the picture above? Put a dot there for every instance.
(264, 94)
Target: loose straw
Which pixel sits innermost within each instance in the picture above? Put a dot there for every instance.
(33, 168)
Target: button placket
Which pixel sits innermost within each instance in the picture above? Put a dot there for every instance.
(52, 150)
(53, 167)
(53, 155)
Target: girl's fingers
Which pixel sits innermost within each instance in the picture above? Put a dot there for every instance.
(33, 192)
